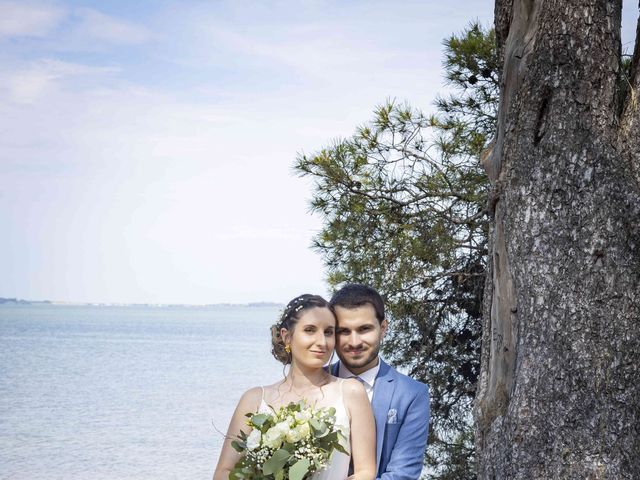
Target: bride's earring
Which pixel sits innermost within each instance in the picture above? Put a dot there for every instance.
(287, 348)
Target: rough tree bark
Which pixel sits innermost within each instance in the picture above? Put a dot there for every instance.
(559, 393)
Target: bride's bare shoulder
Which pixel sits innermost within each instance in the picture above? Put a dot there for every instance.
(273, 386)
(335, 382)
(353, 388)
(249, 401)
(251, 398)
(273, 390)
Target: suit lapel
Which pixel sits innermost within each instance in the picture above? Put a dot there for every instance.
(383, 389)
(382, 394)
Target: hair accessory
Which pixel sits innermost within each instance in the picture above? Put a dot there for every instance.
(294, 306)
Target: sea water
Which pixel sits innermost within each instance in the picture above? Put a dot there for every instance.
(105, 392)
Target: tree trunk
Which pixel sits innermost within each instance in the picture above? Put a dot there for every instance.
(559, 392)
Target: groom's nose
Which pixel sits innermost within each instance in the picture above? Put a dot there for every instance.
(354, 340)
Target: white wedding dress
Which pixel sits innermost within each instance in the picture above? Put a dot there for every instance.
(338, 467)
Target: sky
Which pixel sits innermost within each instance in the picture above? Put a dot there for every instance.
(146, 147)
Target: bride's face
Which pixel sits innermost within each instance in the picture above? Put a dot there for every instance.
(313, 338)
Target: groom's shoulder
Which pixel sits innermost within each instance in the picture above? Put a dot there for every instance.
(408, 383)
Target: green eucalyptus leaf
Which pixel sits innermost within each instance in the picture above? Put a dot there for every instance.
(316, 424)
(276, 462)
(299, 469)
(239, 446)
(259, 419)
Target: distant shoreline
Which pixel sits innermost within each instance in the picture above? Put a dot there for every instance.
(19, 301)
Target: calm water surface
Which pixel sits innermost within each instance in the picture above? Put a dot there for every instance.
(124, 392)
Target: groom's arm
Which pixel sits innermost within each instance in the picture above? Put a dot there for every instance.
(408, 452)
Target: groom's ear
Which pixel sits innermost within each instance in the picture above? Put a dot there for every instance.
(383, 328)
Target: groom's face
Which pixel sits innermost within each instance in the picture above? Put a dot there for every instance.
(358, 337)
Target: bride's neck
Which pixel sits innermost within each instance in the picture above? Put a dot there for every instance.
(300, 377)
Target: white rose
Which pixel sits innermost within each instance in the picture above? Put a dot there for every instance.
(305, 430)
(253, 440)
(298, 433)
(295, 435)
(303, 416)
(273, 437)
(283, 427)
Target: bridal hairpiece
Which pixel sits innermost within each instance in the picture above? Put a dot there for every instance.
(294, 306)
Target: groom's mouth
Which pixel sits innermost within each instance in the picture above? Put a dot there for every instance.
(355, 353)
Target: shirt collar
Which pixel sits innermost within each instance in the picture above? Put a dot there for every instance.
(368, 377)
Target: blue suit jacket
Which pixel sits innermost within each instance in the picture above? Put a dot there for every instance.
(401, 408)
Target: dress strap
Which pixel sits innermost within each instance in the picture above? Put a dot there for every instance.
(341, 391)
(341, 400)
(261, 401)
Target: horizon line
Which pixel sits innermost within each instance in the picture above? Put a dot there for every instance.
(16, 300)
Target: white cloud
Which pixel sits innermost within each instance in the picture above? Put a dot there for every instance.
(323, 56)
(244, 232)
(171, 198)
(152, 185)
(32, 20)
(85, 26)
(27, 84)
(99, 26)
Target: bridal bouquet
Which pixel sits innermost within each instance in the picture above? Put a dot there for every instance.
(291, 443)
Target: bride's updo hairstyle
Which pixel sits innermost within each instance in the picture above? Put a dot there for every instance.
(290, 316)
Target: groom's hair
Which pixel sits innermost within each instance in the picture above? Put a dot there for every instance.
(354, 295)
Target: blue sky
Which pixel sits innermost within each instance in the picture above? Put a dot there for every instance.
(146, 147)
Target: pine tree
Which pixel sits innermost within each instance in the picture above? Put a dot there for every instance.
(404, 204)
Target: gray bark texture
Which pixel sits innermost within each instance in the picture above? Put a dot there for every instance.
(559, 391)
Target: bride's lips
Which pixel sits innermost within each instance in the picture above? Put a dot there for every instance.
(319, 354)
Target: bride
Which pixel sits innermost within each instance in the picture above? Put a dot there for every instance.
(304, 338)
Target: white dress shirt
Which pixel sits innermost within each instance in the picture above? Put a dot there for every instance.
(367, 378)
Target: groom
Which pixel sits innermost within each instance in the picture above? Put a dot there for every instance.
(400, 404)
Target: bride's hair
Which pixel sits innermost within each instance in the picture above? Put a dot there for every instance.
(290, 316)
